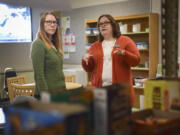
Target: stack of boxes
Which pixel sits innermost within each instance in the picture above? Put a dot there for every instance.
(85, 111)
(38, 118)
(112, 110)
(104, 111)
(162, 103)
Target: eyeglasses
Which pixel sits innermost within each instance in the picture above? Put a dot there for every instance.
(103, 23)
(51, 22)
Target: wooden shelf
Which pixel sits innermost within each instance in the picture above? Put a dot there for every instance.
(139, 68)
(91, 35)
(138, 87)
(135, 33)
(143, 50)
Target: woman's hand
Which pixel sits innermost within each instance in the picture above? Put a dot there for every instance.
(120, 52)
(86, 57)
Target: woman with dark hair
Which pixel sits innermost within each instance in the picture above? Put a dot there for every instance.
(111, 57)
(47, 55)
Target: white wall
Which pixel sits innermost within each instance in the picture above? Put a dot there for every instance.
(156, 8)
(87, 3)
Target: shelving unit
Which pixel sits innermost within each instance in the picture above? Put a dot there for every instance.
(148, 33)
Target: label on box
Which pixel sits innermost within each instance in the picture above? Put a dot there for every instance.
(161, 94)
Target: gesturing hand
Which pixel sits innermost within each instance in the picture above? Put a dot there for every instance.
(86, 57)
(120, 52)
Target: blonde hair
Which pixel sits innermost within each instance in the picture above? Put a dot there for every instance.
(42, 35)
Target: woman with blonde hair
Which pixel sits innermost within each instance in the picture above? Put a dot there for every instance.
(47, 56)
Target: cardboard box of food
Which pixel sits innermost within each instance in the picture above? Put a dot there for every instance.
(112, 110)
(81, 96)
(28, 118)
(162, 94)
(156, 122)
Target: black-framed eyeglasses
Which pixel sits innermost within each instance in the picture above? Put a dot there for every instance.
(51, 22)
(103, 23)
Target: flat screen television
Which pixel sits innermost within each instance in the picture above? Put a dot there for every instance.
(15, 23)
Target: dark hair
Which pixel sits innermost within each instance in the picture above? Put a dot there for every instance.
(114, 24)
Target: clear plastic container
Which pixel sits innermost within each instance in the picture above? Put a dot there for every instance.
(88, 31)
(95, 31)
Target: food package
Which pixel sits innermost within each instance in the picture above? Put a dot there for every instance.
(46, 118)
(156, 122)
(162, 94)
(112, 110)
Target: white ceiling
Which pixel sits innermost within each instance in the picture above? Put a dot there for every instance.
(88, 3)
(63, 5)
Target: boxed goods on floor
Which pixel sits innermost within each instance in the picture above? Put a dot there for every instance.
(156, 122)
(112, 110)
(162, 94)
(38, 118)
(79, 95)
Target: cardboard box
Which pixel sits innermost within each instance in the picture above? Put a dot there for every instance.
(81, 96)
(163, 123)
(162, 94)
(78, 95)
(66, 119)
(112, 110)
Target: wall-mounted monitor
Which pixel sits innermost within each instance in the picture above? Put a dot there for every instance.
(15, 23)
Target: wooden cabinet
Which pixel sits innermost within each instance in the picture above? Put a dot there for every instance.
(143, 29)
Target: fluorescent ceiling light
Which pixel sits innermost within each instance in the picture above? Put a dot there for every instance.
(88, 3)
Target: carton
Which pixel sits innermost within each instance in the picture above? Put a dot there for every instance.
(112, 110)
(163, 123)
(80, 96)
(162, 94)
(48, 119)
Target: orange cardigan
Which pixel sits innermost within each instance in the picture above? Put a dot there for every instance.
(121, 65)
